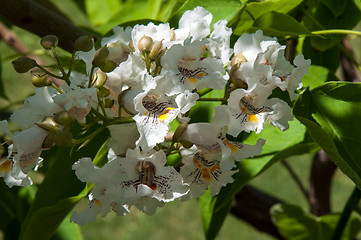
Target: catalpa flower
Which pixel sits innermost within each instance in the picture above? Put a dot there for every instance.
(155, 112)
(248, 110)
(202, 170)
(185, 69)
(24, 154)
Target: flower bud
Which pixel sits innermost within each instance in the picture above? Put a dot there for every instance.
(172, 34)
(237, 81)
(48, 142)
(145, 43)
(23, 64)
(131, 46)
(108, 103)
(157, 47)
(84, 43)
(103, 92)
(179, 131)
(186, 144)
(238, 59)
(63, 138)
(100, 78)
(62, 118)
(100, 60)
(48, 42)
(40, 79)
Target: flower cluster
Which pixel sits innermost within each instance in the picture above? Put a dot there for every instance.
(140, 81)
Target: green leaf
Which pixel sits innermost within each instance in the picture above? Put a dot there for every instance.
(337, 7)
(2, 89)
(59, 191)
(254, 10)
(99, 12)
(330, 112)
(280, 24)
(294, 224)
(203, 111)
(289, 143)
(68, 231)
(315, 76)
(325, 17)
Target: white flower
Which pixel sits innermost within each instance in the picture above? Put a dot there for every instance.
(194, 23)
(24, 155)
(185, 69)
(155, 112)
(35, 108)
(201, 170)
(122, 137)
(120, 34)
(219, 41)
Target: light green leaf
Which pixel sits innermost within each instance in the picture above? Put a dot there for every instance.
(254, 10)
(294, 224)
(68, 231)
(330, 112)
(280, 24)
(315, 76)
(99, 12)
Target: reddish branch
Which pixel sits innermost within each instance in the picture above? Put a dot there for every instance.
(37, 19)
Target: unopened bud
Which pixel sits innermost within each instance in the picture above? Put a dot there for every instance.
(84, 43)
(62, 118)
(157, 47)
(238, 59)
(100, 60)
(48, 142)
(40, 79)
(145, 43)
(48, 126)
(63, 138)
(237, 81)
(186, 144)
(100, 78)
(48, 42)
(179, 131)
(103, 92)
(108, 103)
(23, 64)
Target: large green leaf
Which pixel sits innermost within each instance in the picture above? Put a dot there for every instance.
(59, 191)
(337, 7)
(254, 10)
(289, 143)
(280, 24)
(99, 12)
(294, 224)
(331, 114)
(316, 76)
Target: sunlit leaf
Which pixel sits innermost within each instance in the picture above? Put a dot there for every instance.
(330, 112)
(280, 24)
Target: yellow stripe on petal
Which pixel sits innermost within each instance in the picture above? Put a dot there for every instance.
(164, 116)
(6, 166)
(230, 146)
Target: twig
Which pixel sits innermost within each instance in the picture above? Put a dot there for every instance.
(295, 178)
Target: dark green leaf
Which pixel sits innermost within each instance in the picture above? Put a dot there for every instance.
(329, 112)
(2, 90)
(254, 10)
(99, 12)
(280, 24)
(294, 224)
(337, 7)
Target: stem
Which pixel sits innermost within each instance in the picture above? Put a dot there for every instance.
(60, 67)
(296, 179)
(204, 91)
(49, 73)
(56, 87)
(346, 213)
(90, 136)
(336, 31)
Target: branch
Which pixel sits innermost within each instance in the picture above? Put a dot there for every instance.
(253, 206)
(37, 19)
(349, 70)
(322, 171)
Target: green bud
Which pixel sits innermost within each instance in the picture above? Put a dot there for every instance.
(103, 92)
(100, 78)
(48, 126)
(179, 131)
(84, 43)
(63, 138)
(108, 103)
(157, 47)
(40, 79)
(186, 144)
(48, 142)
(145, 43)
(48, 42)
(63, 118)
(100, 60)
(23, 64)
